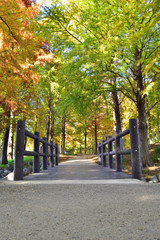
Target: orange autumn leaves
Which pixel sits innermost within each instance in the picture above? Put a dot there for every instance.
(20, 51)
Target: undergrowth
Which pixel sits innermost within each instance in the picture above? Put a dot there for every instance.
(11, 162)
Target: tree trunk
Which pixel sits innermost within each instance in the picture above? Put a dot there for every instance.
(155, 138)
(158, 126)
(51, 121)
(85, 141)
(114, 120)
(80, 149)
(143, 134)
(11, 136)
(35, 120)
(11, 142)
(5, 142)
(95, 134)
(141, 111)
(116, 107)
(60, 144)
(48, 126)
(149, 122)
(63, 134)
(52, 126)
(5, 145)
(117, 112)
(91, 145)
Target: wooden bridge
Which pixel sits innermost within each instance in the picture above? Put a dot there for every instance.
(81, 168)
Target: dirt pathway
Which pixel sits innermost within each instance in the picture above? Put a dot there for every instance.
(79, 211)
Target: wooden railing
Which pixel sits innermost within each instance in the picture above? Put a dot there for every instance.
(134, 151)
(21, 132)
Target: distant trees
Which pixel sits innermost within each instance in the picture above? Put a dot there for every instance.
(91, 63)
(113, 44)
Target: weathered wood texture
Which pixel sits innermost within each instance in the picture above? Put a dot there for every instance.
(134, 151)
(52, 153)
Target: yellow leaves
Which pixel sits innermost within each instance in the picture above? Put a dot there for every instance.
(155, 69)
(1, 40)
(148, 89)
(154, 58)
(102, 48)
(54, 86)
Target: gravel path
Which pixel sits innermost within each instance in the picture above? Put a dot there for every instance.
(30, 211)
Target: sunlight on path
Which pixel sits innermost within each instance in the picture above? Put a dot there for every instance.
(79, 170)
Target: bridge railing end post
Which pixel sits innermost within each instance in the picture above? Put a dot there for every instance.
(19, 150)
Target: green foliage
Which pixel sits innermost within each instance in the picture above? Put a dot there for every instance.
(156, 156)
(11, 162)
(92, 43)
(3, 166)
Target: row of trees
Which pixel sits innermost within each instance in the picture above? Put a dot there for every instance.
(30, 89)
(75, 71)
(21, 52)
(109, 48)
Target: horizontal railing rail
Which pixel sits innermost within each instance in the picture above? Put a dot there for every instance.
(20, 151)
(31, 135)
(134, 151)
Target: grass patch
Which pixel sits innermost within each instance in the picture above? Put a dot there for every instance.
(26, 159)
(10, 162)
(155, 154)
(3, 166)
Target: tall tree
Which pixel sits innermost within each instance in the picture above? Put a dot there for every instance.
(109, 40)
(19, 49)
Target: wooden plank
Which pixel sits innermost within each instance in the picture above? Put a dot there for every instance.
(31, 135)
(124, 133)
(42, 154)
(124, 152)
(112, 153)
(29, 153)
(41, 140)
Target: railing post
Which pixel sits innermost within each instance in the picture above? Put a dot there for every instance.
(104, 156)
(36, 162)
(135, 148)
(118, 147)
(19, 150)
(57, 155)
(99, 154)
(44, 147)
(110, 149)
(51, 157)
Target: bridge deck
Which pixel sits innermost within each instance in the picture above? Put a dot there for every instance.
(79, 169)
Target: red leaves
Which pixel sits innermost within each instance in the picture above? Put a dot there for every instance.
(20, 51)
(7, 104)
(27, 3)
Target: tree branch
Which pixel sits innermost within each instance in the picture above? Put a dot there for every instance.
(121, 101)
(85, 27)
(8, 28)
(153, 105)
(71, 34)
(158, 47)
(131, 86)
(128, 96)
